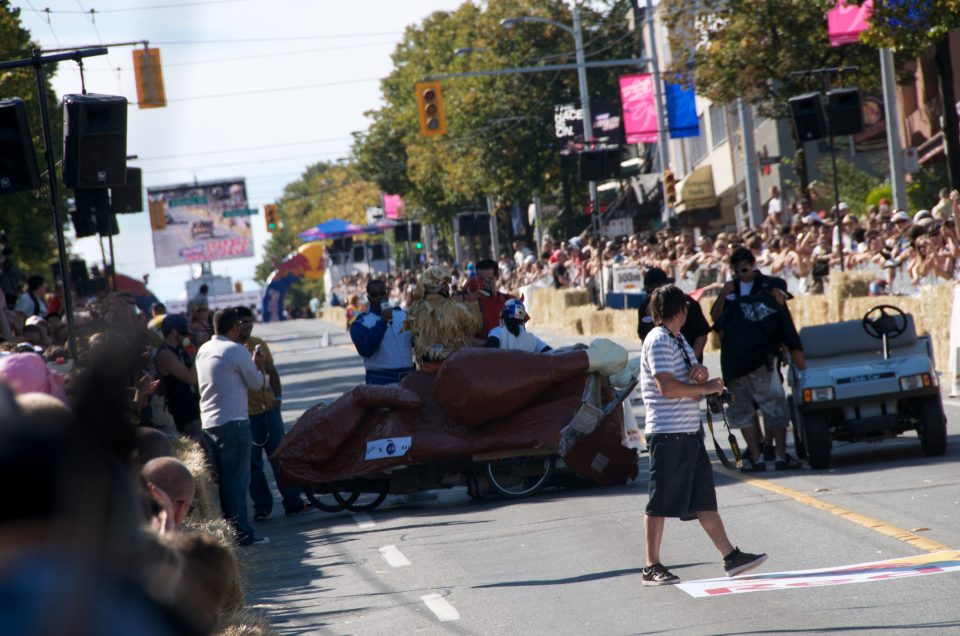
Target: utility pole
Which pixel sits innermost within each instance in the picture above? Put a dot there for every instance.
(894, 146)
(663, 151)
(751, 182)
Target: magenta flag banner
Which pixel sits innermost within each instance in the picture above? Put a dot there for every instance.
(639, 108)
(846, 22)
(392, 206)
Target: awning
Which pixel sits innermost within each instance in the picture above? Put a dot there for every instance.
(695, 191)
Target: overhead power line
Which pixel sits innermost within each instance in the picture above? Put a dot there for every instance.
(280, 89)
(190, 168)
(284, 38)
(226, 150)
(176, 5)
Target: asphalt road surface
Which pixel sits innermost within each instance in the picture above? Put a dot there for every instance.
(569, 561)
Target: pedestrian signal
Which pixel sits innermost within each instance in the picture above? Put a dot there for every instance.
(149, 78)
(272, 215)
(418, 245)
(670, 187)
(430, 109)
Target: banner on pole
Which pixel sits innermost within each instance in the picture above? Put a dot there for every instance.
(846, 22)
(682, 111)
(392, 206)
(639, 108)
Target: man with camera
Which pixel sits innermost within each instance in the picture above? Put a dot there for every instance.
(681, 477)
(754, 323)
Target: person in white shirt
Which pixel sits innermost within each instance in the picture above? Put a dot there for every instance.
(511, 334)
(775, 206)
(31, 302)
(226, 371)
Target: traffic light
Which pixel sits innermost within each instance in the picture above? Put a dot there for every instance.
(670, 187)
(418, 245)
(430, 109)
(272, 214)
(148, 74)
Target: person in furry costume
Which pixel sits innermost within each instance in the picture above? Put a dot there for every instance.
(440, 323)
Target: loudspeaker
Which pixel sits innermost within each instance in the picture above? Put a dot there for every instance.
(846, 111)
(400, 233)
(474, 225)
(597, 165)
(128, 199)
(94, 141)
(808, 119)
(93, 214)
(18, 161)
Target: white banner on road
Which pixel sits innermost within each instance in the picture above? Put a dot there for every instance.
(936, 563)
(388, 447)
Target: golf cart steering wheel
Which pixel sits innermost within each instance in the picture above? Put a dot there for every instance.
(891, 321)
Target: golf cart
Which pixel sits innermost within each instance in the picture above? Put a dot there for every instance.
(866, 380)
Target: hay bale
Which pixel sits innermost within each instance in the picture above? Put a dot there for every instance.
(244, 623)
(625, 325)
(205, 501)
(809, 309)
(224, 533)
(936, 309)
(845, 285)
(601, 322)
(335, 314)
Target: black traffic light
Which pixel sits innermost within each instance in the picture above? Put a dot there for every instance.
(272, 214)
(430, 109)
(670, 187)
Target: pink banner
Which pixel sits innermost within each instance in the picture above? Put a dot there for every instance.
(846, 22)
(392, 206)
(639, 108)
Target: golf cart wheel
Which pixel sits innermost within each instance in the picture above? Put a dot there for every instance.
(363, 498)
(474, 491)
(933, 427)
(799, 444)
(520, 476)
(816, 437)
(323, 498)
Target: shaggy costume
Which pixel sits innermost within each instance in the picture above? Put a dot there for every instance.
(439, 324)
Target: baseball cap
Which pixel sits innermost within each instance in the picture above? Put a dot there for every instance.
(174, 321)
(812, 217)
(35, 320)
(655, 277)
(900, 216)
(922, 214)
(775, 282)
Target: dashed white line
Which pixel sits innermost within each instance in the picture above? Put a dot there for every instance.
(441, 608)
(364, 521)
(395, 558)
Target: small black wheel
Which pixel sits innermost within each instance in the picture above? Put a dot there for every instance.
(520, 476)
(363, 495)
(323, 497)
(890, 321)
(933, 427)
(816, 438)
(798, 444)
(473, 487)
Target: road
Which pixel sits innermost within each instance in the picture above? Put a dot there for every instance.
(568, 561)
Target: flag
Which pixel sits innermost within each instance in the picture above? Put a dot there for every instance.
(682, 111)
(846, 22)
(639, 108)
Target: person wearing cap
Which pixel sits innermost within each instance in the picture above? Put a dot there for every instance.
(511, 334)
(178, 376)
(695, 328)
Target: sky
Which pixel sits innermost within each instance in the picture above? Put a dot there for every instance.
(255, 88)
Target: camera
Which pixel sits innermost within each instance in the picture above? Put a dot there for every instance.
(716, 401)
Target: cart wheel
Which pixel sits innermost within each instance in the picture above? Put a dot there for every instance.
(363, 499)
(473, 487)
(323, 497)
(521, 476)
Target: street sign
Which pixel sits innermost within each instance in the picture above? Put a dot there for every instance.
(186, 201)
(247, 212)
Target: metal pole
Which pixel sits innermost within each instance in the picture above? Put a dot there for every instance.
(749, 162)
(409, 244)
(113, 264)
(663, 149)
(894, 145)
(585, 107)
(55, 199)
(492, 223)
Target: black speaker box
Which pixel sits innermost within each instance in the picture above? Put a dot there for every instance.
(400, 233)
(94, 141)
(18, 162)
(597, 165)
(846, 111)
(93, 214)
(808, 119)
(474, 225)
(128, 199)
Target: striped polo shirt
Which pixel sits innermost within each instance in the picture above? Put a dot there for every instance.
(661, 354)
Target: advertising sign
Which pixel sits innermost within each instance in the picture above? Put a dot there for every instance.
(627, 280)
(200, 222)
(568, 125)
(639, 108)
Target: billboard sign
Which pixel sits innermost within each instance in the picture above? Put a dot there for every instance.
(200, 222)
(568, 125)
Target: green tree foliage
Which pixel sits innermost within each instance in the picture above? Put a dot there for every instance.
(750, 48)
(27, 216)
(500, 137)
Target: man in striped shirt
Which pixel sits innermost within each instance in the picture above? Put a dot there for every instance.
(681, 477)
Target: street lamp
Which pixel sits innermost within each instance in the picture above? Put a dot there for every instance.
(582, 79)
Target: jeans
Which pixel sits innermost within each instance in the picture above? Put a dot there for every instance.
(266, 429)
(230, 443)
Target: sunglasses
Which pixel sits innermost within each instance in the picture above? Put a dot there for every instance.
(744, 270)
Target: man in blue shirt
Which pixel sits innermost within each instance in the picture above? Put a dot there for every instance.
(386, 350)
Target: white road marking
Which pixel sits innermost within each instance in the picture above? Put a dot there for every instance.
(364, 521)
(394, 556)
(439, 606)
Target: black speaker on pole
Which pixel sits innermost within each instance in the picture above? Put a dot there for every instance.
(18, 162)
(400, 233)
(467, 225)
(414, 231)
(846, 111)
(590, 165)
(94, 141)
(808, 119)
(93, 214)
(128, 199)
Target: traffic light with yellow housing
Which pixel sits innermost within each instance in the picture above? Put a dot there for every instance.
(272, 215)
(430, 109)
(670, 187)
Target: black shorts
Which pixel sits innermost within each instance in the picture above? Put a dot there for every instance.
(681, 477)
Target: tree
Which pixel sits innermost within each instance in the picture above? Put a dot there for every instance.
(749, 49)
(26, 216)
(500, 138)
(911, 28)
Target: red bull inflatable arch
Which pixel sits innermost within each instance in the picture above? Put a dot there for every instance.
(305, 263)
